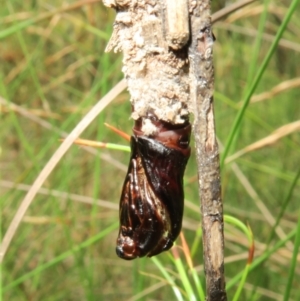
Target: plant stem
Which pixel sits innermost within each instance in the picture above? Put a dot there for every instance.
(207, 152)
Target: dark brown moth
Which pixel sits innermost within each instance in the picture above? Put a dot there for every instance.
(151, 204)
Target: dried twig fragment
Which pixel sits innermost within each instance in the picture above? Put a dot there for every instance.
(177, 16)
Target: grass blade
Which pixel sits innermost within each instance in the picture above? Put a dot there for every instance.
(257, 79)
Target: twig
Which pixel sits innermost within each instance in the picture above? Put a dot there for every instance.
(202, 84)
(172, 80)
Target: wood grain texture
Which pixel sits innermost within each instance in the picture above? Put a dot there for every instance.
(207, 152)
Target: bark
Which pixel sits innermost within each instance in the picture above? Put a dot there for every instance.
(157, 75)
(167, 48)
(207, 152)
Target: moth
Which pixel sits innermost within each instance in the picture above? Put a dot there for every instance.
(152, 199)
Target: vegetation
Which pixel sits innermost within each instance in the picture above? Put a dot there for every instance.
(54, 69)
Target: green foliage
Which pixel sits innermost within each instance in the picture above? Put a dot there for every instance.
(54, 69)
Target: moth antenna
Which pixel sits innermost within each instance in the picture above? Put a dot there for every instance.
(117, 131)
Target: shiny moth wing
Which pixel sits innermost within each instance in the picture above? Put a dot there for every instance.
(151, 204)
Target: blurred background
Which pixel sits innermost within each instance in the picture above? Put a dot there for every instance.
(53, 70)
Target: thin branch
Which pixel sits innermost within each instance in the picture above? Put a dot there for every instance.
(207, 152)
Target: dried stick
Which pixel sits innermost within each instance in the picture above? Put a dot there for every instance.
(207, 152)
(171, 79)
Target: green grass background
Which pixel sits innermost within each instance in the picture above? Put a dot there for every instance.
(53, 66)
